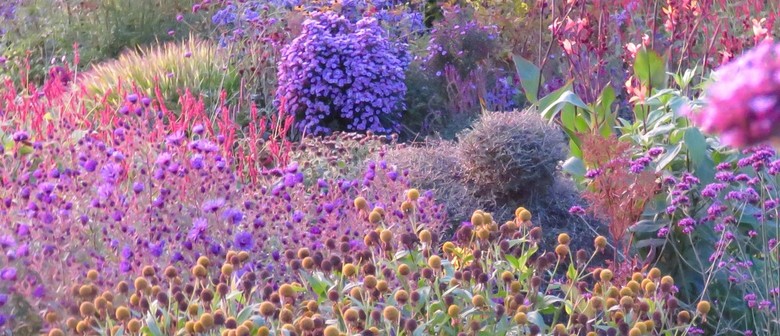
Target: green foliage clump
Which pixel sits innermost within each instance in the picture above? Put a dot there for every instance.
(511, 155)
(195, 65)
(42, 30)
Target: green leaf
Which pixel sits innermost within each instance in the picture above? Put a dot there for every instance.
(24, 150)
(646, 226)
(530, 77)
(575, 166)
(696, 143)
(513, 261)
(650, 68)
(567, 97)
(652, 242)
(548, 100)
(668, 157)
(571, 273)
(245, 313)
(151, 323)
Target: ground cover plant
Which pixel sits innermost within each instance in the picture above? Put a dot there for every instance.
(384, 167)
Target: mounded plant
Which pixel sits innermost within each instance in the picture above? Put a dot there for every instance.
(511, 155)
(338, 75)
(195, 65)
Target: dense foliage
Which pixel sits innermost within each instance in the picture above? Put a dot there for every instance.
(301, 167)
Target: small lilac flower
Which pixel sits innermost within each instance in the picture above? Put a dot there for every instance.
(213, 205)
(199, 227)
(243, 241)
(8, 274)
(20, 136)
(577, 210)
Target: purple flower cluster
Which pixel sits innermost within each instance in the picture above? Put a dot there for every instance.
(340, 75)
(743, 106)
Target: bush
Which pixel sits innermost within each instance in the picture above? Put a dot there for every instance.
(194, 65)
(435, 166)
(511, 155)
(337, 75)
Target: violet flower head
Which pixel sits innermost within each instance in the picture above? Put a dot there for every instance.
(743, 106)
(243, 241)
(353, 76)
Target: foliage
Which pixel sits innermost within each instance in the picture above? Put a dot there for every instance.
(196, 66)
(490, 279)
(510, 155)
(338, 75)
(42, 30)
(141, 188)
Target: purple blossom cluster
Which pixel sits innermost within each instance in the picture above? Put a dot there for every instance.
(108, 198)
(739, 208)
(461, 42)
(743, 105)
(340, 75)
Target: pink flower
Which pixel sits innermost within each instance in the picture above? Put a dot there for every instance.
(743, 105)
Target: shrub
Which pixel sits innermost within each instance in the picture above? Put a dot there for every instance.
(511, 155)
(435, 166)
(395, 285)
(194, 65)
(338, 75)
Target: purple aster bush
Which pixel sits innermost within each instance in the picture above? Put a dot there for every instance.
(743, 104)
(337, 75)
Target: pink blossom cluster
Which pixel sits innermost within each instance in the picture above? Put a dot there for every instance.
(743, 105)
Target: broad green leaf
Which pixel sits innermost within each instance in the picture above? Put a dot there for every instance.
(567, 97)
(24, 150)
(696, 143)
(530, 78)
(575, 166)
(549, 99)
(650, 68)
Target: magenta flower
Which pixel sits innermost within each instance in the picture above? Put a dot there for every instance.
(743, 105)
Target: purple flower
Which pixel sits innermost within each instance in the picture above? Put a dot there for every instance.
(132, 98)
(21, 136)
(354, 76)
(593, 173)
(8, 274)
(213, 205)
(687, 224)
(199, 227)
(243, 241)
(577, 210)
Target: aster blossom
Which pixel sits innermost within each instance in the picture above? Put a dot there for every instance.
(743, 105)
(337, 74)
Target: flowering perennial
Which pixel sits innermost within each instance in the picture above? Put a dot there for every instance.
(339, 75)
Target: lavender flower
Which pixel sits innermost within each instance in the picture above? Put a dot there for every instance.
(345, 74)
